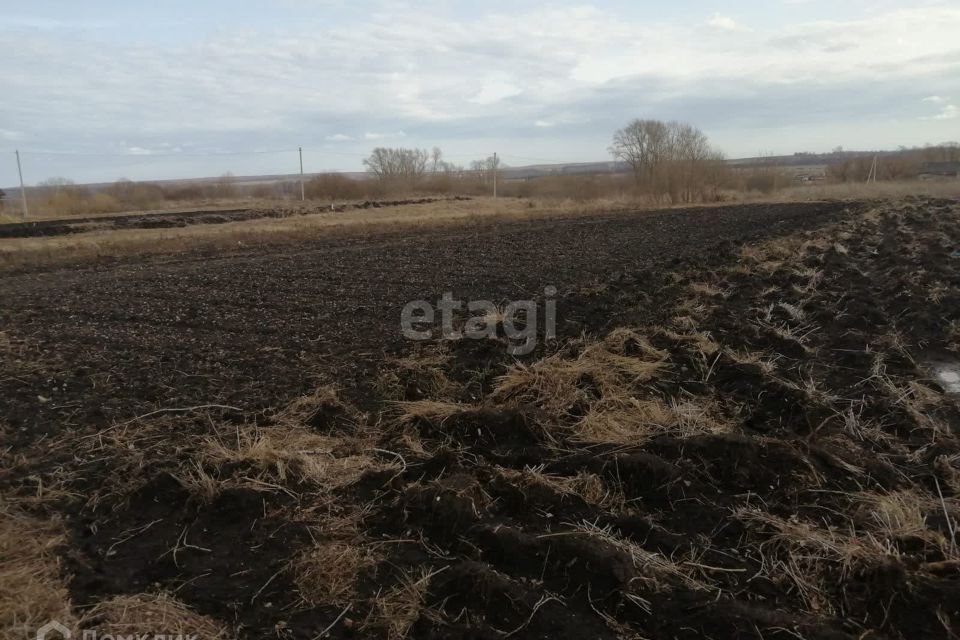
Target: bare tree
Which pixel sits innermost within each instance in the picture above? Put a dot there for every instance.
(642, 144)
(668, 159)
(403, 165)
(486, 169)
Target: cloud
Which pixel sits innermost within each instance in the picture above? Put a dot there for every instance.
(726, 23)
(494, 91)
(949, 112)
(560, 75)
(383, 136)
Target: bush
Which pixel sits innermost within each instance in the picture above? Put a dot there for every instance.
(334, 186)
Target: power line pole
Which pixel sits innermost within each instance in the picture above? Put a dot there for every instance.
(494, 174)
(23, 191)
(302, 198)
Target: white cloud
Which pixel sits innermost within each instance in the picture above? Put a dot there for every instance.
(576, 71)
(383, 136)
(726, 23)
(494, 91)
(949, 112)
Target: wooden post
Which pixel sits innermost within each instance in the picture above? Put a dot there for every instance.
(302, 197)
(23, 191)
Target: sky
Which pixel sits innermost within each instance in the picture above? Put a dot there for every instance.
(103, 89)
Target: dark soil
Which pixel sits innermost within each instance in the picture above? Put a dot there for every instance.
(682, 538)
(164, 220)
(259, 328)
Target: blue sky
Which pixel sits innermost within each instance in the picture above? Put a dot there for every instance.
(151, 90)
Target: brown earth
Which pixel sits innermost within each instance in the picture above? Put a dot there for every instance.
(167, 219)
(736, 434)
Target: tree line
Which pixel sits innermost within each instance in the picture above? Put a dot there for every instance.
(670, 161)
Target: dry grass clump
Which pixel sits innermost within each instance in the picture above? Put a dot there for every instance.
(431, 411)
(609, 368)
(769, 256)
(152, 614)
(588, 486)
(902, 515)
(948, 468)
(327, 573)
(629, 421)
(809, 558)
(397, 609)
(32, 589)
(656, 571)
(766, 364)
(702, 340)
(422, 375)
(915, 398)
(323, 403)
(705, 289)
(282, 454)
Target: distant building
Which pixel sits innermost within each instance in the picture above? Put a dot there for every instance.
(939, 170)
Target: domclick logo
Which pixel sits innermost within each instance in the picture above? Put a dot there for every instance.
(54, 630)
(519, 320)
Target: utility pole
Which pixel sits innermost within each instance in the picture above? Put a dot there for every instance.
(494, 174)
(23, 191)
(302, 198)
(873, 170)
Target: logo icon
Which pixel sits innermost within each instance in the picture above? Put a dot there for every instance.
(53, 630)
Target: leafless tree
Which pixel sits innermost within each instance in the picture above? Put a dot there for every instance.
(401, 165)
(486, 169)
(669, 159)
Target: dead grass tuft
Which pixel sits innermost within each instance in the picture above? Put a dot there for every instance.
(153, 614)
(630, 421)
(609, 368)
(766, 364)
(327, 574)
(656, 571)
(400, 607)
(702, 340)
(705, 289)
(279, 455)
(431, 411)
(420, 375)
(32, 589)
(588, 486)
(811, 558)
(322, 404)
(900, 516)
